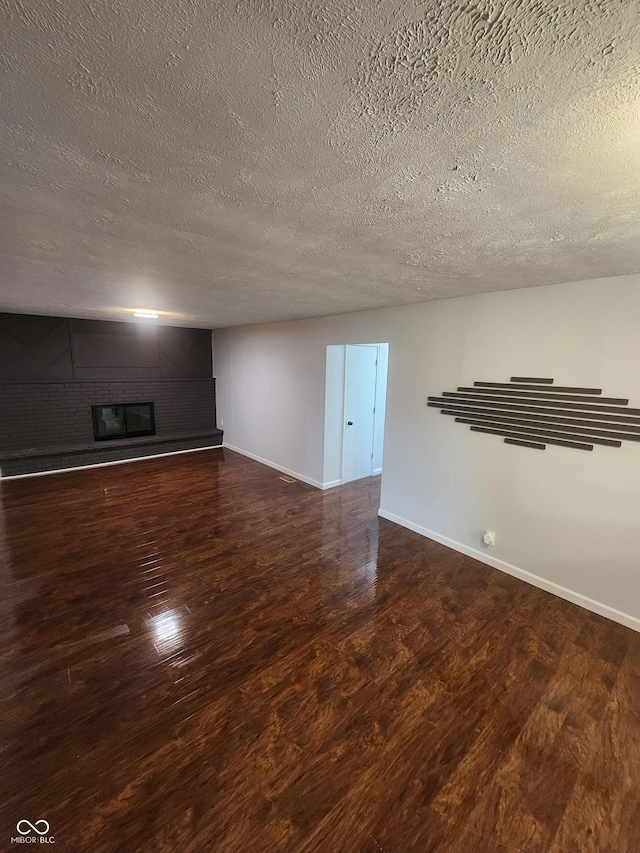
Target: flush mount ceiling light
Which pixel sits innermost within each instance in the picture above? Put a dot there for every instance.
(145, 313)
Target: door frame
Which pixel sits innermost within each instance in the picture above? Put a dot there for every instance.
(334, 411)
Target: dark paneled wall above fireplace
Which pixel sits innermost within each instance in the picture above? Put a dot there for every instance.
(52, 370)
(61, 348)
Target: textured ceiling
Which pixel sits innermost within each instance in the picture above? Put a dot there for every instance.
(236, 162)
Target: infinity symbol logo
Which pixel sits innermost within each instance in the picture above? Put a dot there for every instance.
(32, 827)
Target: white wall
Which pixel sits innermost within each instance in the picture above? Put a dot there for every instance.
(381, 407)
(568, 517)
(334, 415)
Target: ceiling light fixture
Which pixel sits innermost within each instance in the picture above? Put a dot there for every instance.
(145, 314)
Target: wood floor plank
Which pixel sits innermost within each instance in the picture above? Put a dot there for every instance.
(196, 655)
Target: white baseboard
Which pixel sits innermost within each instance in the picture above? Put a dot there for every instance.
(106, 464)
(535, 580)
(330, 484)
(270, 464)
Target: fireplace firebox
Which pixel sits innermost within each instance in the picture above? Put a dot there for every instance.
(123, 420)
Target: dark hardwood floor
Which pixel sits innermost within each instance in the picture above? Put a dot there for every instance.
(196, 655)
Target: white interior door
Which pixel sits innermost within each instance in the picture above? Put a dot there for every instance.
(359, 407)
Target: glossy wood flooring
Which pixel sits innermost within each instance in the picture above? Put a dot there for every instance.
(197, 656)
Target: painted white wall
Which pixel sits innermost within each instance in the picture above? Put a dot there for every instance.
(568, 517)
(381, 407)
(334, 415)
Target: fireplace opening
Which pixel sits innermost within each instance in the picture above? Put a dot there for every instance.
(123, 420)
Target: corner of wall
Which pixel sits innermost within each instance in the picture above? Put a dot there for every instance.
(515, 571)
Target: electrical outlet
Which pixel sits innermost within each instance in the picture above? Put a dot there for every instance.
(489, 538)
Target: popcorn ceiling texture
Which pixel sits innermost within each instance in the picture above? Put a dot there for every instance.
(247, 161)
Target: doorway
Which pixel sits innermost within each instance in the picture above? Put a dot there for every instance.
(355, 404)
